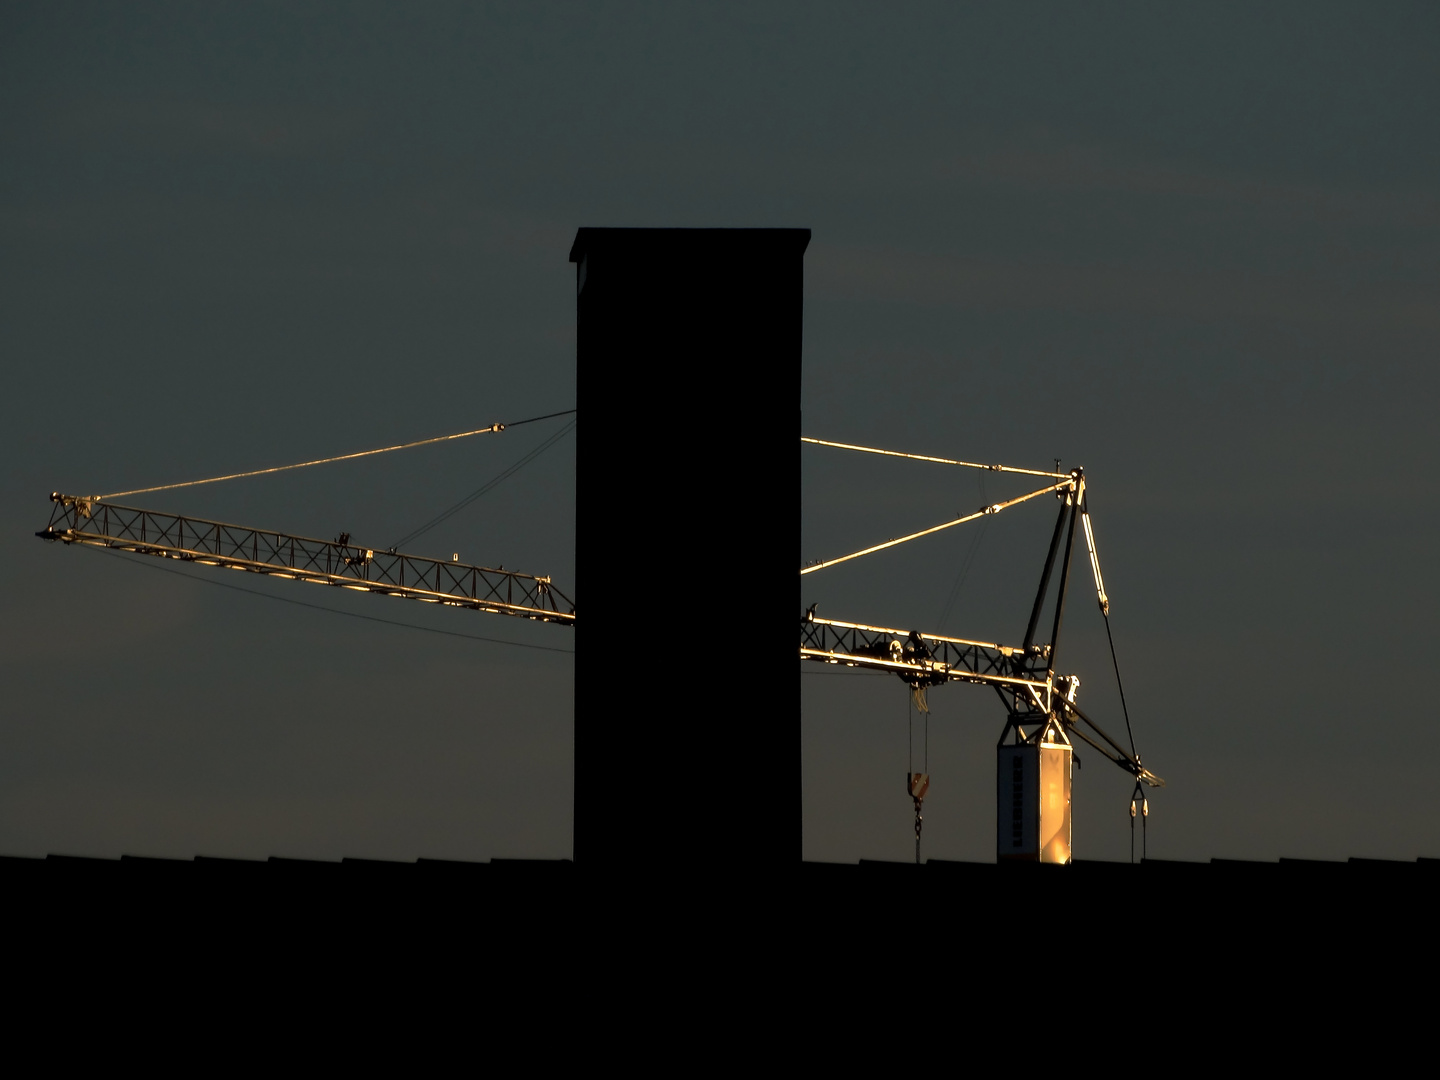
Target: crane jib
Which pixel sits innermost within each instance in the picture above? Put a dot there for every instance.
(78, 520)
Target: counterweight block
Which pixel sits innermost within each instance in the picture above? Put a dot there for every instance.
(1032, 812)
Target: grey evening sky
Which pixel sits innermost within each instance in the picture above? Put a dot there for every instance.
(1191, 247)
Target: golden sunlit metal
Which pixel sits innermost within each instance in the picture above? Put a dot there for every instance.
(994, 508)
(298, 558)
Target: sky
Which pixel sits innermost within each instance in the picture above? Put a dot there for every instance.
(1191, 249)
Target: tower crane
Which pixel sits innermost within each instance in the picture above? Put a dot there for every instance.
(1043, 718)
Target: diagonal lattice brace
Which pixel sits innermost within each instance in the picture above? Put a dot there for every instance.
(78, 520)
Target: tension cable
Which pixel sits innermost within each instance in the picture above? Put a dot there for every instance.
(1137, 798)
(505, 475)
(936, 460)
(1105, 611)
(982, 512)
(329, 460)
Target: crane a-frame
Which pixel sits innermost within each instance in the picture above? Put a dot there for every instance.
(1035, 750)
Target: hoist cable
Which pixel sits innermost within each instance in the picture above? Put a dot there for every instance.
(329, 460)
(489, 485)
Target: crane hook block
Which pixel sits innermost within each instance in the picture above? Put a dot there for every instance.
(917, 784)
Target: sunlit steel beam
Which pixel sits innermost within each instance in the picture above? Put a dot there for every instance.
(78, 520)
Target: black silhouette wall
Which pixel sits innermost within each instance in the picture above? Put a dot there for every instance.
(687, 706)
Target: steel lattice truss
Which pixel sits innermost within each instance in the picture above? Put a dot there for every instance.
(76, 520)
(921, 659)
(1032, 694)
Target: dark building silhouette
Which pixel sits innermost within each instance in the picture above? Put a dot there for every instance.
(687, 545)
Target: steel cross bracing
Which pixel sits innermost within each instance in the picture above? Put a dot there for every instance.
(78, 520)
(1032, 694)
(920, 659)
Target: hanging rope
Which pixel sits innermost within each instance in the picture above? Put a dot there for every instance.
(917, 784)
(1137, 798)
(919, 819)
(330, 460)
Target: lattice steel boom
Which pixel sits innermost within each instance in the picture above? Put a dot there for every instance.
(1031, 693)
(78, 520)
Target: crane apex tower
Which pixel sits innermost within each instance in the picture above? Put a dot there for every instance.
(687, 709)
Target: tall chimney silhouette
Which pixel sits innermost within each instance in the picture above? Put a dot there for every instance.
(687, 706)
